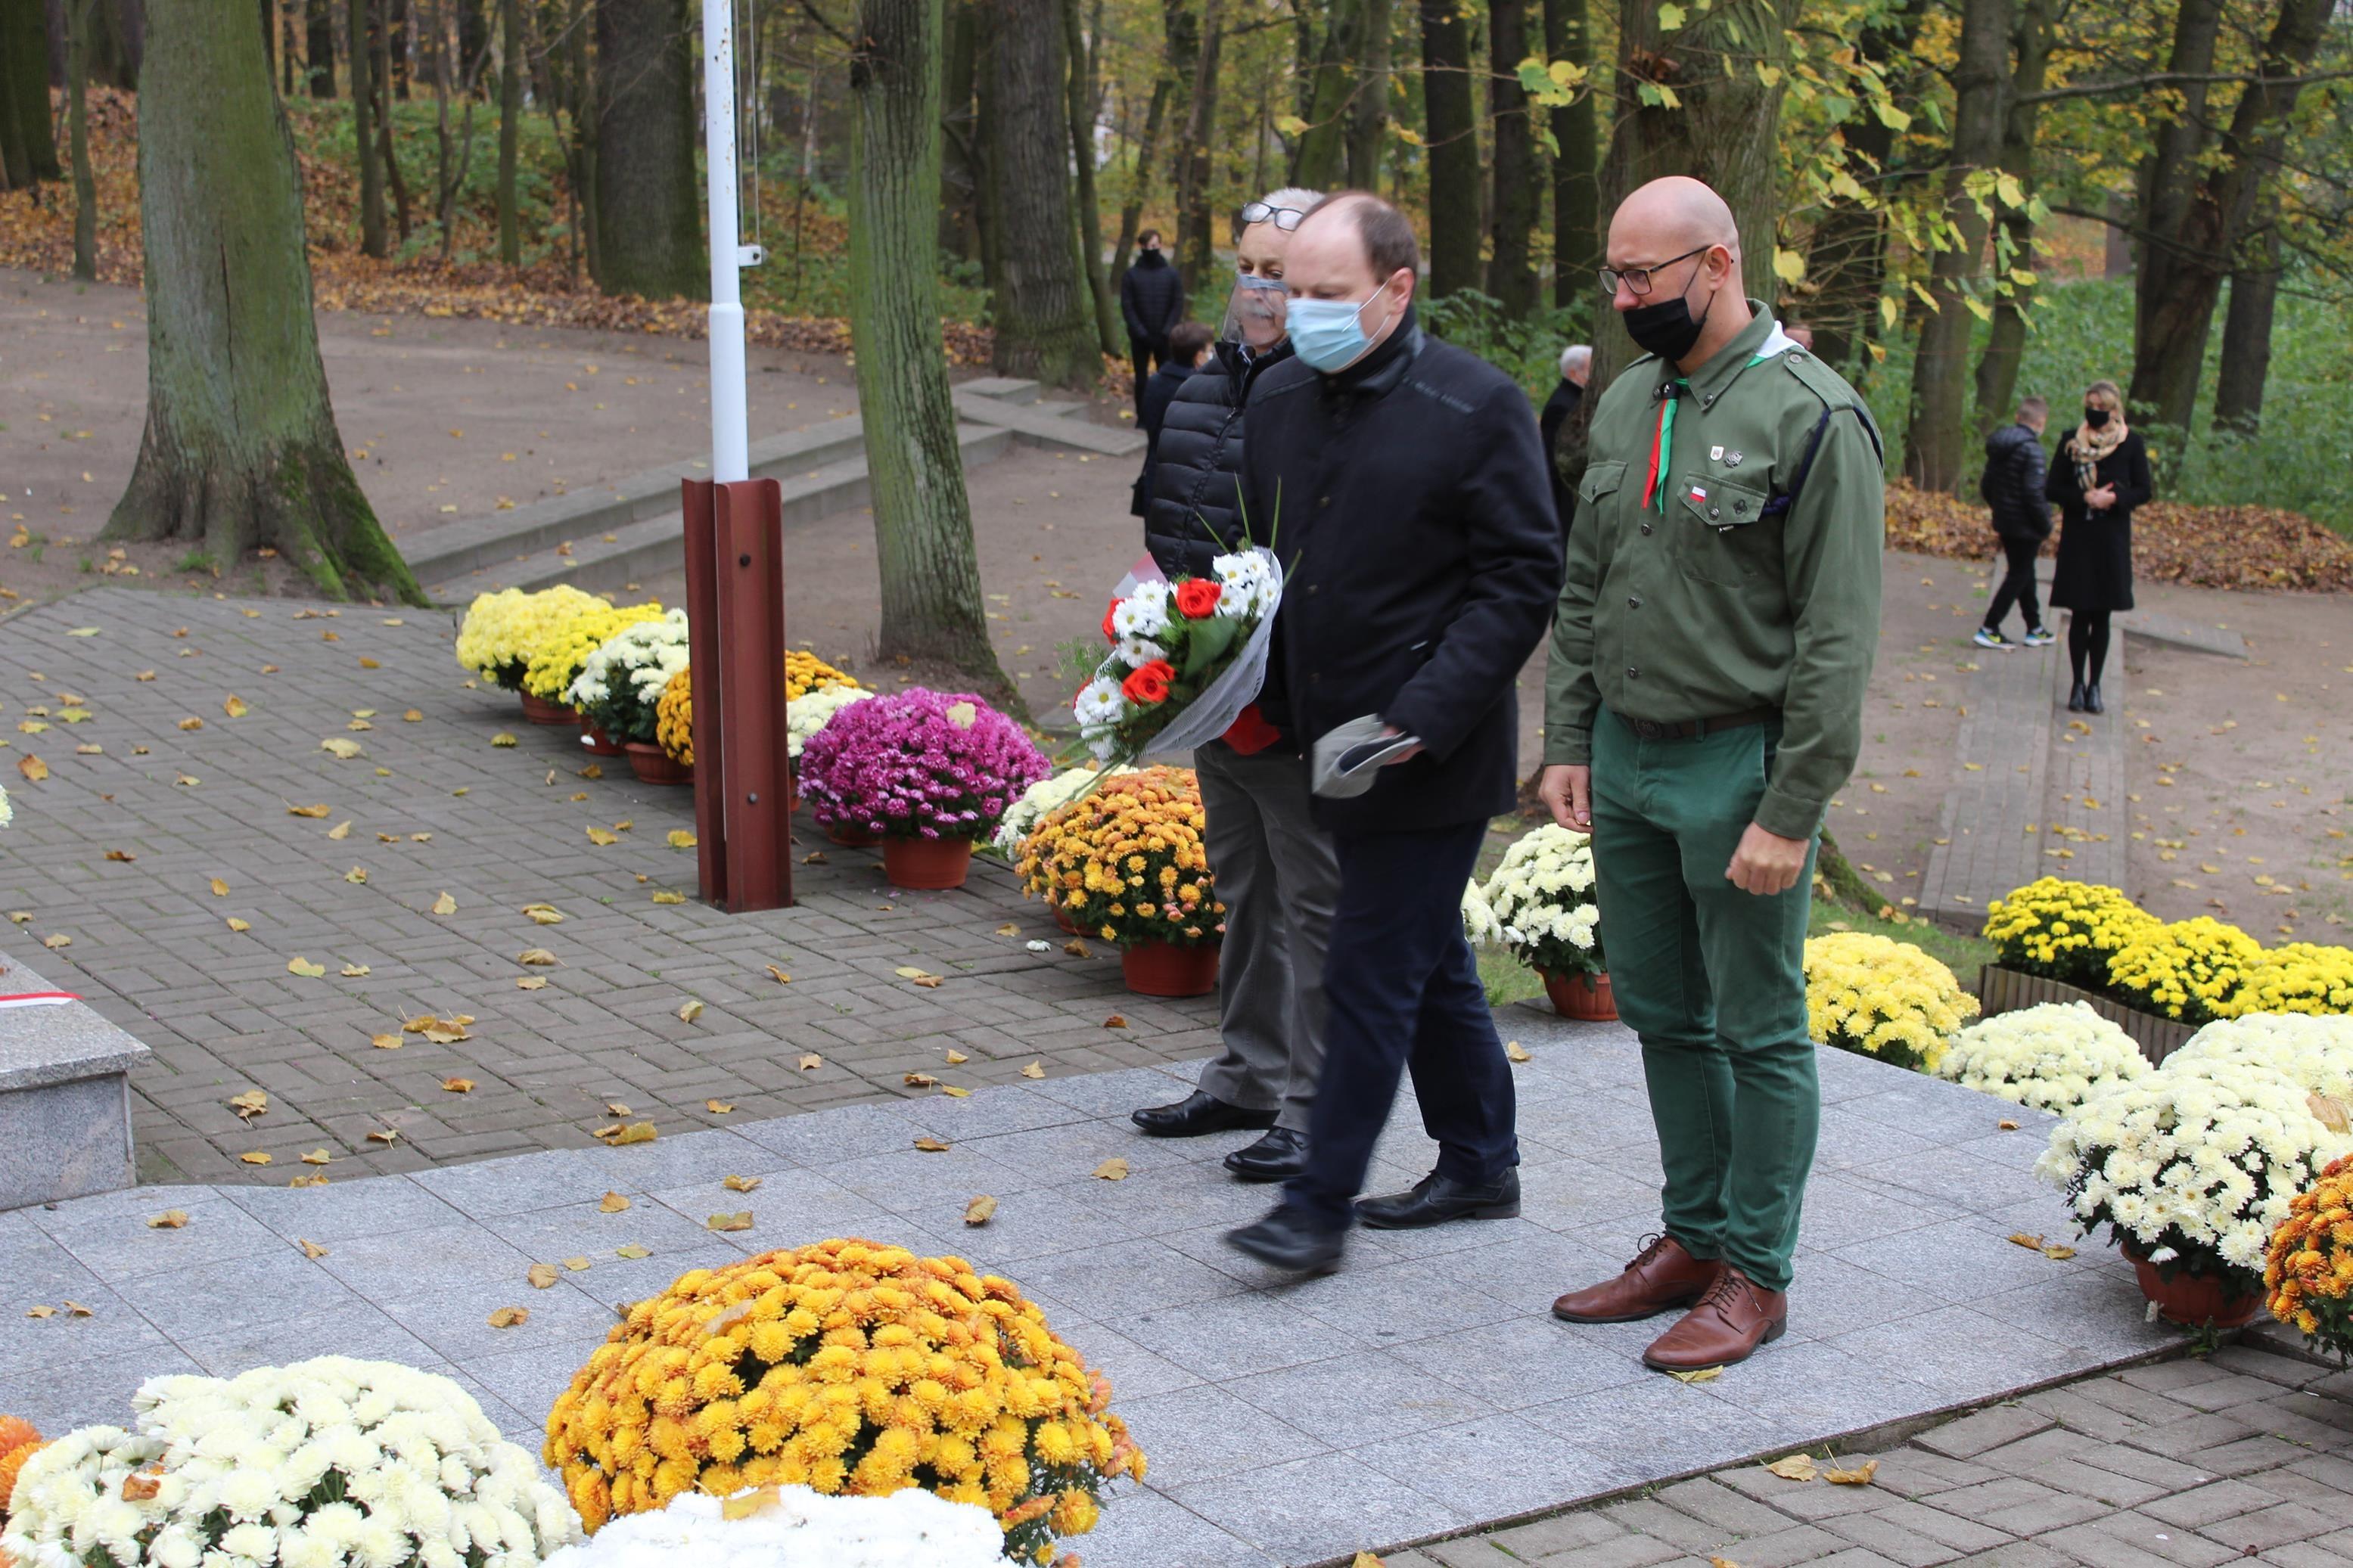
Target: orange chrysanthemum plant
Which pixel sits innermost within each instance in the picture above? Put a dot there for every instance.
(2309, 1267)
(1129, 861)
(18, 1443)
(846, 1366)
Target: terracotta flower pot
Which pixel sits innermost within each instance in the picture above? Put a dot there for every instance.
(851, 837)
(926, 862)
(1164, 969)
(540, 710)
(1062, 918)
(654, 765)
(1582, 996)
(2193, 1300)
(595, 742)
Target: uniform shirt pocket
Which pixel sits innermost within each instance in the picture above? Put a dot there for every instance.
(1720, 541)
(1601, 479)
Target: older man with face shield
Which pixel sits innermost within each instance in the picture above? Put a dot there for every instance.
(1276, 870)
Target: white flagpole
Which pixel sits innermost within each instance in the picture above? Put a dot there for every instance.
(730, 438)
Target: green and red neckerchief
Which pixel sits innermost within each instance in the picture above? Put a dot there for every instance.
(1654, 489)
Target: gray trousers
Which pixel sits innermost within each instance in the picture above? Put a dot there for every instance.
(1278, 877)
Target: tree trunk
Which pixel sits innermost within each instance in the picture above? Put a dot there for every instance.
(2247, 328)
(987, 204)
(1997, 379)
(387, 141)
(1847, 260)
(396, 51)
(1368, 111)
(1045, 327)
(509, 128)
(1080, 86)
(85, 265)
(473, 41)
(240, 448)
(1322, 151)
(1131, 214)
(2191, 241)
(1934, 434)
(28, 148)
(960, 167)
(319, 54)
(1451, 133)
(649, 218)
(923, 522)
(2168, 193)
(1195, 239)
(1519, 168)
(1181, 32)
(267, 10)
(361, 32)
(1576, 193)
(115, 46)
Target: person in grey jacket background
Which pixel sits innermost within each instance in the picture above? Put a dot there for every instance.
(2012, 487)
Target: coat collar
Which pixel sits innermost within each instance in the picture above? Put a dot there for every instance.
(1761, 339)
(1378, 374)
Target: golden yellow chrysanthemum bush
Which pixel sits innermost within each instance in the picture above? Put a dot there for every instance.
(2308, 1268)
(496, 638)
(805, 673)
(2065, 931)
(845, 1366)
(674, 717)
(563, 646)
(2297, 977)
(2190, 969)
(1127, 861)
(1883, 998)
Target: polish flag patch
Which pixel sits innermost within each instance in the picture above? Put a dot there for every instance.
(1698, 494)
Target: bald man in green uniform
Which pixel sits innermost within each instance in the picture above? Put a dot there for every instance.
(1704, 699)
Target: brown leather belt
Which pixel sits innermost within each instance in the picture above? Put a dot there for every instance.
(1693, 729)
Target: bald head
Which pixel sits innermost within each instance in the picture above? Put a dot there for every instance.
(1674, 241)
(1668, 216)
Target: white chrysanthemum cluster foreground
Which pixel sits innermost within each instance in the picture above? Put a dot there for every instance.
(646, 654)
(2052, 1056)
(330, 1463)
(1539, 903)
(792, 1527)
(2314, 1050)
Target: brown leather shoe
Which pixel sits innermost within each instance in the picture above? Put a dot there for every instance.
(1661, 1277)
(1731, 1321)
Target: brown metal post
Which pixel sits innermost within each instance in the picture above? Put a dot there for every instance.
(697, 498)
(754, 771)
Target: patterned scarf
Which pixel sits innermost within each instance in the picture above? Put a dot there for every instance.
(2089, 445)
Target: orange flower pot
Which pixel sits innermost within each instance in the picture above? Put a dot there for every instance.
(598, 744)
(540, 710)
(2193, 1300)
(926, 862)
(851, 838)
(1584, 998)
(1164, 969)
(1062, 918)
(655, 766)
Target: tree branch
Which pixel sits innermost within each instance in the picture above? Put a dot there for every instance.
(2169, 78)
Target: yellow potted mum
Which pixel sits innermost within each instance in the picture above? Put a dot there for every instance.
(1128, 865)
(564, 646)
(847, 1367)
(1883, 998)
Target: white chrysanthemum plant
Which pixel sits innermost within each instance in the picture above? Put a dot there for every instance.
(620, 685)
(806, 714)
(330, 1463)
(2053, 1056)
(1022, 817)
(7, 809)
(2192, 1169)
(2315, 1050)
(794, 1527)
(1539, 906)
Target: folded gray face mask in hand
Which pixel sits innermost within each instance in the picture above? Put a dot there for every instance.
(1348, 759)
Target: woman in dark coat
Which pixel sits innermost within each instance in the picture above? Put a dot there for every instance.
(2098, 475)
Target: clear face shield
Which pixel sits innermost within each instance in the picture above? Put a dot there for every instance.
(1254, 312)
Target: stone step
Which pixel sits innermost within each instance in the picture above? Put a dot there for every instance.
(1049, 425)
(633, 551)
(2152, 625)
(65, 1097)
(1003, 388)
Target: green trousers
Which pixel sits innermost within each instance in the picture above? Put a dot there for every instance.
(1713, 980)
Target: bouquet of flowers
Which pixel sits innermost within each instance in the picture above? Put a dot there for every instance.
(1126, 861)
(1883, 998)
(844, 1366)
(2189, 969)
(2309, 1266)
(496, 638)
(2053, 1056)
(330, 1463)
(1187, 656)
(1022, 816)
(620, 686)
(567, 641)
(1538, 905)
(792, 1527)
(2192, 1169)
(2065, 931)
(918, 764)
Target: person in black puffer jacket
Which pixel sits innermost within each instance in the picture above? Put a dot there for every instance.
(1151, 303)
(1188, 351)
(2012, 487)
(1276, 870)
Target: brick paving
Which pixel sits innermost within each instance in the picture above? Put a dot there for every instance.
(2246, 1454)
(433, 806)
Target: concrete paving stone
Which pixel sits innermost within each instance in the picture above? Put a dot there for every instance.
(1250, 1337)
(349, 1328)
(2247, 1455)
(1708, 1499)
(1959, 1353)
(1785, 1548)
(2139, 1404)
(1985, 1431)
(2195, 1508)
(58, 1395)
(1141, 1526)
(1203, 1431)
(1651, 1516)
(1309, 1509)
(1397, 1301)
(2277, 1525)
(242, 1294)
(2131, 1540)
(1106, 1289)
(124, 1247)
(2067, 1406)
(2016, 1554)
(1812, 1500)
(1617, 1551)
(1520, 1363)
(1545, 1538)
(1913, 1533)
(1815, 1387)
(1495, 1465)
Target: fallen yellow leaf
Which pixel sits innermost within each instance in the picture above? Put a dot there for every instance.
(387, 1136)
(1009, 928)
(957, 1059)
(723, 1222)
(256, 1158)
(459, 1085)
(667, 897)
(778, 975)
(33, 768)
(356, 874)
(2006, 1125)
(740, 1183)
(1111, 1170)
(689, 1011)
(717, 1107)
(932, 1146)
(234, 705)
(635, 1132)
(811, 1061)
(298, 964)
(123, 855)
(544, 914)
(236, 924)
(600, 838)
(542, 1274)
(536, 955)
(1517, 1051)
(503, 738)
(384, 1042)
(1035, 1069)
(613, 1203)
(1858, 1477)
(253, 1102)
(355, 971)
(170, 1219)
(1795, 1467)
(920, 1080)
(1114, 1022)
(980, 1210)
(631, 1250)
(192, 722)
(679, 839)
(576, 1265)
(310, 1249)
(317, 1157)
(445, 905)
(510, 1317)
(1704, 1375)
(220, 889)
(306, 811)
(342, 747)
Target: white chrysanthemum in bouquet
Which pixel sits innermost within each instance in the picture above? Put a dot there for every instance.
(1187, 659)
(2315, 1051)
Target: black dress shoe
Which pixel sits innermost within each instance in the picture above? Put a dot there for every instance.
(1198, 1112)
(2092, 703)
(2075, 699)
(1285, 1239)
(1277, 1157)
(1435, 1200)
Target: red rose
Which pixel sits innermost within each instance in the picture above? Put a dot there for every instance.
(1149, 685)
(1109, 635)
(1198, 598)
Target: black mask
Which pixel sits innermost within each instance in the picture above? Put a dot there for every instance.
(2095, 417)
(1667, 329)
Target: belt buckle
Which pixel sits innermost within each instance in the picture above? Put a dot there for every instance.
(1651, 729)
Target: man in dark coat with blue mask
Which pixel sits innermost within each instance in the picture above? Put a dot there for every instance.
(1412, 512)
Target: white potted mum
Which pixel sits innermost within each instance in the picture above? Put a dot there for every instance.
(1539, 906)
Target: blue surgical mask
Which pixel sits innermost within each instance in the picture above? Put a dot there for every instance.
(1328, 333)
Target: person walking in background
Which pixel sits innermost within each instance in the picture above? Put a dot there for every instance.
(2099, 475)
(1276, 872)
(2013, 487)
(1575, 366)
(1422, 558)
(1704, 701)
(1188, 351)
(1151, 301)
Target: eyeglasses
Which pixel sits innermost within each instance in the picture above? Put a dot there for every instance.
(1283, 218)
(1637, 280)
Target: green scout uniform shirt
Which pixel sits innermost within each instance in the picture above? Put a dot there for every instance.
(1701, 603)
